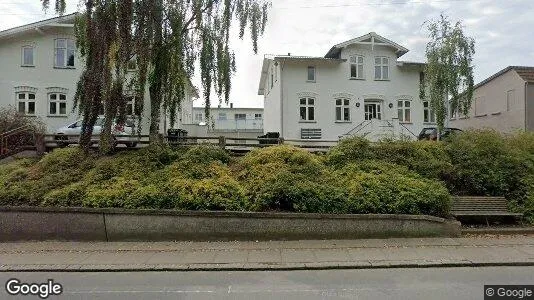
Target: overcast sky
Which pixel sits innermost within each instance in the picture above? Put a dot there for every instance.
(503, 31)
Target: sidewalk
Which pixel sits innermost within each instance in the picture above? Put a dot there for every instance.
(268, 255)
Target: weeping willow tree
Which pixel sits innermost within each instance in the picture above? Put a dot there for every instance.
(449, 72)
(168, 40)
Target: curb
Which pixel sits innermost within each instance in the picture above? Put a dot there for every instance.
(499, 231)
(284, 267)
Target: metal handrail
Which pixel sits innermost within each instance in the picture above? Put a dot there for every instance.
(16, 130)
(407, 129)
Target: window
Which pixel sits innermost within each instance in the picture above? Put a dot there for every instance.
(258, 116)
(132, 106)
(342, 110)
(311, 73)
(310, 133)
(404, 111)
(64, 53)
(356, 67)
(222, 116)
(27, 56)
(510, 98)
(26, 103)
(452, 112)
(381, 68)
(199, 117)
(428, 113)
(307, 109)
(57, 104)
(240, 116)
(272, 77)
(132, 64)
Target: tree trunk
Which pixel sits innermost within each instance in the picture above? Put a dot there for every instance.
(156, 83)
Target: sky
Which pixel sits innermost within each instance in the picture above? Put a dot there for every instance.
(502, 30)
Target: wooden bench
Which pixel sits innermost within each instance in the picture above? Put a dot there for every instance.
(485, 207)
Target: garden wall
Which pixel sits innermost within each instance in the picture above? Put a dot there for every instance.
(86, 224)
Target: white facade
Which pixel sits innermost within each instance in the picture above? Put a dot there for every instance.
(503, 102)
(358, 88)
(39, 70)
(231, 119)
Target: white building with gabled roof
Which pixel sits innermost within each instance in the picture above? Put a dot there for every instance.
(40, 67)
(360, 87)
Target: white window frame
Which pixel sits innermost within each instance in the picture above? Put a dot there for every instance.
(453, 115)
(404, 110)
(309, 109)
(342, 106)
(199, 119)
(240, 114)
(308, 73)
(26, 100)
(382, 65)
(222, 116)
(23, 62)
(130, 63)
(66, 49)
(60, 100)
(357, 61)
(429, 112)
(131, 102)
(258, 116)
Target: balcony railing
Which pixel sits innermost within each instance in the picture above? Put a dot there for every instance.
(238, 124)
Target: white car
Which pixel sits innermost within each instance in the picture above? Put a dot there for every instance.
(70, 133)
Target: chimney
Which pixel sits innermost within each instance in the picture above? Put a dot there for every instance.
(288, 54)
(231, 105)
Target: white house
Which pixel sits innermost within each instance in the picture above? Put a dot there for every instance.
(39, 69)
(503, 102)
(358, 88)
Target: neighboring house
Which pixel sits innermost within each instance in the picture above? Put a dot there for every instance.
(504, 102)
(230, 121)
(40, 67)
(358, 88)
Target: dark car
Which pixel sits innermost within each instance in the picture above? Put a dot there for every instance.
(431, 133)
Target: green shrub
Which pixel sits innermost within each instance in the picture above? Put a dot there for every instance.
(114, 193)
(205, 154)
(68, 196)
(294, 159)
(392, 192)
(350, 150)
(485, 164)
(223, 193)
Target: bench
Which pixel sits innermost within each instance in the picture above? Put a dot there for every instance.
(485, 207)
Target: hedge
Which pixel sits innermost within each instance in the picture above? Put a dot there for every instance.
(354, 177)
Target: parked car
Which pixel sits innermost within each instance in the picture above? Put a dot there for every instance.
(122, 133)
(431, 133)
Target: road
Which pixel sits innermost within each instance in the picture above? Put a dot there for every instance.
(431, 283)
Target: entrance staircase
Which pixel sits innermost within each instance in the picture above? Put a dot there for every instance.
(376, 130)
(17, 140)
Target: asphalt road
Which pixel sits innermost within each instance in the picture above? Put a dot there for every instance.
(442, 283)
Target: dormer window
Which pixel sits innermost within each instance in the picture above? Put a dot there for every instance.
(381, 68)
(64, 53)
(356, 67)
(27, 56)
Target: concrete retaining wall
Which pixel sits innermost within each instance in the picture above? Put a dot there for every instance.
(37, 223)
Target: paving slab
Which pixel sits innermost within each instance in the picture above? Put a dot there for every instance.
(273, 255)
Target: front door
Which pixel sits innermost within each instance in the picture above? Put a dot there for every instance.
(372, 111)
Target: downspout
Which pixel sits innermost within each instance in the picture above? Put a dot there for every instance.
(281, 99)
(526, 106)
